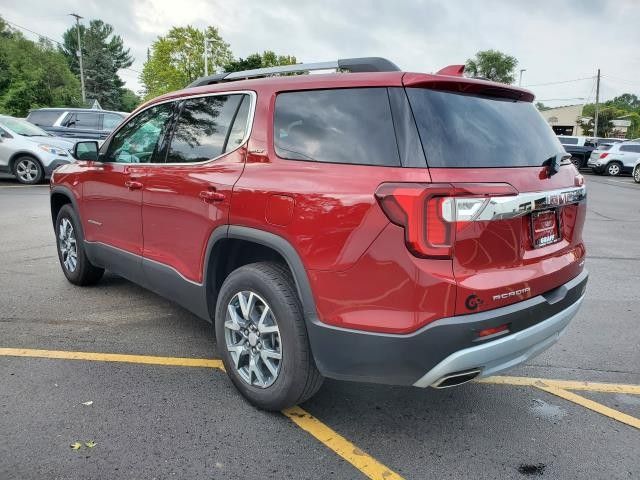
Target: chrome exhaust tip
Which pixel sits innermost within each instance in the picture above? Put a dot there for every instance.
(457, 378)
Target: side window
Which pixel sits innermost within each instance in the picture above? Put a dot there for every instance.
(89, 121)
(630, 148)
(136, 141)
(110, 121)
(202, 130)
(239, 128)
(44, 118)
(338, 126)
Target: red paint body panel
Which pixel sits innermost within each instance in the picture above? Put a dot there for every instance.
(361, 273)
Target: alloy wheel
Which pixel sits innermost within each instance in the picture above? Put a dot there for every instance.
(613, 169)
(636, 174)
(27, 170)
(252, 338)
(68, 245)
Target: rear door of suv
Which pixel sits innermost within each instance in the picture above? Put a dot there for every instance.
(511, 214)
(187, 190)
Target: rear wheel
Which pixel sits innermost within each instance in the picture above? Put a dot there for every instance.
(28, 170)
(577, 161)
(262, 338)
(73, 259)
(613, 169)
(636, 174)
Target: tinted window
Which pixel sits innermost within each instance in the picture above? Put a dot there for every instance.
(630, 148)
(89, 121)
(200, 133)
(44, 118)
(110, 121)
(136, 141)
(340, 126)
(471, 131)
(239, 127)
(568, 140)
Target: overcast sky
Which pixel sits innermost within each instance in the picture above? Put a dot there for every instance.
(554, 40)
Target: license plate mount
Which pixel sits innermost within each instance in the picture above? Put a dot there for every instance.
(545, 228)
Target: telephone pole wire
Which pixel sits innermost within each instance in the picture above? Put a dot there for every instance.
(595, 122)
(79, 54)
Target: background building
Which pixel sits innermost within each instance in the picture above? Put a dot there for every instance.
(564, 120)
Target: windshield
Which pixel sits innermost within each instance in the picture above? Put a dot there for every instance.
(22, 127)
(568, 140)
(460, 130)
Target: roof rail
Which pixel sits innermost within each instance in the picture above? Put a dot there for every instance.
(364, 64)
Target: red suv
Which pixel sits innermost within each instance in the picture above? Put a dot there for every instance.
(371, 225)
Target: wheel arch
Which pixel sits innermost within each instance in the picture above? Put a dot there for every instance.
(59, 197)
(225, 251)
(23, 153)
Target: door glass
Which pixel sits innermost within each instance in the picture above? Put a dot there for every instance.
(110, 121)
(239, 127)
(89, 121)
(201, 130)
(137, 140)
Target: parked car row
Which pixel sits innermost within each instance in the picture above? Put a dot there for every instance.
(580, 147)
(31, 149)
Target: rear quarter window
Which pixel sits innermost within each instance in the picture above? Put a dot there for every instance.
(568, 140)
(43, 118)
(459, 131)
(352, 126)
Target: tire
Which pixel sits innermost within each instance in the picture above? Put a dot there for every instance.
(577, 162)
(613, 169)
(28, 170)
(289, 380)
(636, 174)
(70, 244)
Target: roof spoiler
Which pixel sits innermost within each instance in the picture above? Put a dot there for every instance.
(355, 65)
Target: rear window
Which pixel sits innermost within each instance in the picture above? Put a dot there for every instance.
(460, 130)
(44, 118)
(89, 121)
(568, 140)
(336, 126)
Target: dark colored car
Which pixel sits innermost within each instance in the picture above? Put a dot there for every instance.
(77, 123)
(379, 226)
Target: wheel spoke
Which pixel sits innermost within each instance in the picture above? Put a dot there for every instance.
(255, 368)
(233, 322)
(269, 364)
(267, 353)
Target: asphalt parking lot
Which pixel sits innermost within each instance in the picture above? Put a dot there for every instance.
(162, 408)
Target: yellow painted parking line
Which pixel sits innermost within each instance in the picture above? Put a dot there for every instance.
(368, 465)
(112, 357)
(340, 445)
(564, 384)
(591, 405)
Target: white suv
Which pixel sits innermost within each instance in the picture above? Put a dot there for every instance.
(615, 159)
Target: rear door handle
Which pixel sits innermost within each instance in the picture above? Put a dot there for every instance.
(133, 185)
(211, 196)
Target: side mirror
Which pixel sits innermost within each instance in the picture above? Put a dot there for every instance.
(86, 151)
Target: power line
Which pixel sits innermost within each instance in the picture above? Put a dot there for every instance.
(561, 81)
(55, 41)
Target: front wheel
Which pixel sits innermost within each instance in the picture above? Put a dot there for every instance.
(73, 259)
(262, 338)
(636, 174)
(28, 170)
(577, 162)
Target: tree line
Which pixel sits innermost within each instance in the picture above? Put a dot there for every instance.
(46, 73)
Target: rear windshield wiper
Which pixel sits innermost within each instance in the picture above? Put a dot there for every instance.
(553, 163)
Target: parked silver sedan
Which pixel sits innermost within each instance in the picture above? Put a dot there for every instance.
(28, 152)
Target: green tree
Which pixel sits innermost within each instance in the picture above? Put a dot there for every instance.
(256, 60)
(542, 107)
(605, 115)
(129, 100)
(492, 65)
(103, 54)
(33, 75)
(177, 59)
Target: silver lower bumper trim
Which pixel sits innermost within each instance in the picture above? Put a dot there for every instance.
(504, 353)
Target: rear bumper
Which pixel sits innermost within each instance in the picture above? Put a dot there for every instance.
(448, 345)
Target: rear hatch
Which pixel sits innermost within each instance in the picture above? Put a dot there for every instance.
(507, 208)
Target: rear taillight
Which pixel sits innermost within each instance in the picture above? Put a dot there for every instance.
(431, 213)
(604, 155)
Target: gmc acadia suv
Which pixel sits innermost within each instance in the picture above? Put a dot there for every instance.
(369, 225)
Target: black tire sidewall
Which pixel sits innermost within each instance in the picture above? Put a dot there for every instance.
(636, 174)
(40, 176)
(76, 276)
(292, 375)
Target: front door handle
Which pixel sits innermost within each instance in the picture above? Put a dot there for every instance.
(211, 196)
(133, 185)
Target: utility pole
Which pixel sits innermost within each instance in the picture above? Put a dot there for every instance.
(79, 54)
(595, 122)
(206, 57)
(520, 81)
